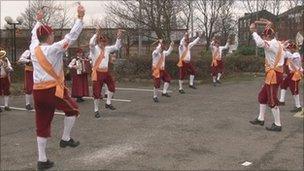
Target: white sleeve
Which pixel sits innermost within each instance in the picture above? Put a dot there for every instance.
(168, 52)
(34, 39)
(9, 65)
(72, 63)
(25, 57)
(69, 38)
(258, 40)
(115, 47)
(93, 41)
(194, 42)
(182, 41)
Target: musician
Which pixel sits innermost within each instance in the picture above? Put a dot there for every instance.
(25, 59)
(80, 85)
(5, 81)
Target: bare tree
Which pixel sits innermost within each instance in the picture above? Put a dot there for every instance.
(208, 15)
(156, 15)
(55, 14)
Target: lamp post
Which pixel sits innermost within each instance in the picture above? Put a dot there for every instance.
(11, 24)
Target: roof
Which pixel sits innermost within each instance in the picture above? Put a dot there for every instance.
(299, 7)
(249, 15)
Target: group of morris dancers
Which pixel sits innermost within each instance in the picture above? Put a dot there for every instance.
(44, 75)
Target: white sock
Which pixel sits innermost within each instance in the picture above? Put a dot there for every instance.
(262, 112)
(6, 98)
(27, 99)
(219, 76)
(155, 92)
(96, 103)
(283, 92)
(276, 115)
(41, 143)
(191, 80)
(297, 100)
(214, 79)
(68, 125)
(166, 86)
(180, 82)
(109, 98)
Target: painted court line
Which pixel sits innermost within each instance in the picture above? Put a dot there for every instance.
(118, 100)
(299, 114)
(139, 89)
(23, 109)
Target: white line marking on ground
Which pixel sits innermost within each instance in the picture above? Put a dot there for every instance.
(118, 100)
(23, 109)
(246, 163)
(108, 154)
(139, 89)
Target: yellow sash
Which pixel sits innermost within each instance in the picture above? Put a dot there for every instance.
(46, 65)
(181, 59)
(271, 76)
(215, 57)
(157, 67)
(97, 63)
(297, 75)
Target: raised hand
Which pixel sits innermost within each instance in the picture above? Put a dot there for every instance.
(120, 33)
(172, 43)
(39, 15)
(80, 11)
(253, 27)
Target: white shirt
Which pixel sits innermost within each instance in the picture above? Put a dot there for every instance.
(220, 49)
(53, 53)
(3, 73)
(271, 49)
(182, 48)
(295, 58)
(157, 54)
(95, 52)
(25, 57)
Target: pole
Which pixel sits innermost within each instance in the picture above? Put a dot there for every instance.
(257, 17)
(14, 40)
(191, 16)
(139, 30)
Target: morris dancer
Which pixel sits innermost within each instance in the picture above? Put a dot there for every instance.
(158, 69)
(294, 76)
(80, 85)
(274, 72)
(49, 91)
(5, 80)
(184, 64)
(100, 54)
(217, 65)
(25, 59)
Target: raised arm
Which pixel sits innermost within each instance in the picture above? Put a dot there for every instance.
(34, 39)
(168, 51)
(117, 45)
(73, 34)
(156, 51)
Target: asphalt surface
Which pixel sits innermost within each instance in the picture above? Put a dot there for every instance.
(204, 129)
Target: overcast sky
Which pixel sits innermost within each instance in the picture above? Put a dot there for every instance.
(94, 8)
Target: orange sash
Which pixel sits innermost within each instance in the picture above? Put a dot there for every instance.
(215, 57)
(181, 59)
(297, 75)
(59, 79)
(271, 76)
(156, 69)
(97, 63)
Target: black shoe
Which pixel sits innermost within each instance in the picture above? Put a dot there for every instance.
(166, 95)
(28, 107)
(214, 84)
(296, 109)
(97, 115)
(182, 91)
(70, 143)
(218, 81)
(106, 96)
(0, 110)
(281, 103)
(44, 165)
(192, 86)
(79, 100)
(6, 108)
(256, 121)
(110, 106)
(155, 99)
(274, 127)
